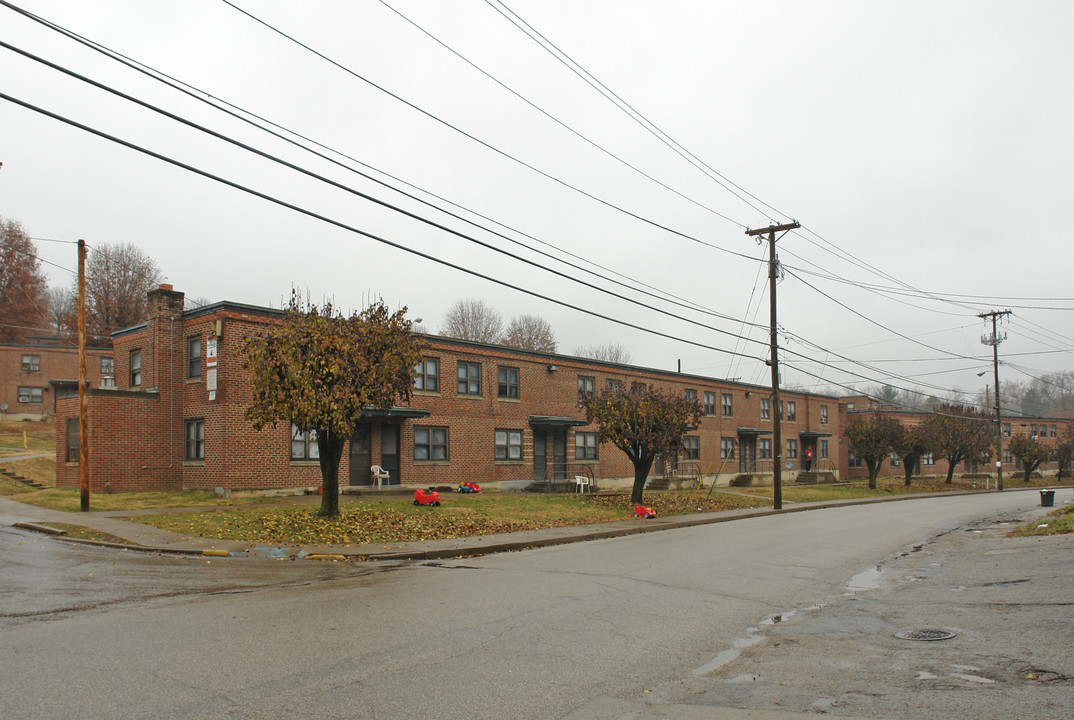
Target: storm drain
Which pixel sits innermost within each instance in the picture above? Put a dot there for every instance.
(926, 634)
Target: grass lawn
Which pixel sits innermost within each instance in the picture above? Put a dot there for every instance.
(40, 437)
(39, 469)
(68, 499)
(400, 520)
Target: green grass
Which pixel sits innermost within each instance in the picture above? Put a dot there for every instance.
(1054, 523)
(39, 437)
(402, 521)
(69, 499)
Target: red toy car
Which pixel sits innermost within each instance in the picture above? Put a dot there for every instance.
(421, 497)
(640, 511)
(469, 487)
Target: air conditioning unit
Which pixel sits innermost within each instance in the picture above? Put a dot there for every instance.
(108, 382)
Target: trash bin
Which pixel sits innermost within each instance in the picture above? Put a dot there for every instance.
(1047, 498)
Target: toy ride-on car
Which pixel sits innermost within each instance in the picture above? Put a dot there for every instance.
(641, 511)
(469, 487)
(421, 497)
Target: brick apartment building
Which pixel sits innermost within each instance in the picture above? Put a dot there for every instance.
(487, 413)
(1048, 431)
(34, 373)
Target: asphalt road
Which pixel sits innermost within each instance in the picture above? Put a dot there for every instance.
(534, 634)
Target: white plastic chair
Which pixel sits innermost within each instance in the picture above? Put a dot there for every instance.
(380, 475)
(582, 482)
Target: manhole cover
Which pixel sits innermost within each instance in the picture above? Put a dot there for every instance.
(926, 634)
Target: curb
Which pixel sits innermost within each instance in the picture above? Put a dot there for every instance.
(513, 545)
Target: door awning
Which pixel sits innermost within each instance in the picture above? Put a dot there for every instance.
(813, 434)
(753, 431)
(553, 421)
(396, 413)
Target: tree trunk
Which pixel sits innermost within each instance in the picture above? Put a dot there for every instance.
(874, 472)
(908, 469)
(950, 470)
(331, 450)
(641, 474)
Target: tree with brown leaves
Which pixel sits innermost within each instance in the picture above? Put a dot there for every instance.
(642, 423)
(321, 370)
(23, 305)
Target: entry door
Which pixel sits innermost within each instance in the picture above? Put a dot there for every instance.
(559, 454)
(389, 452)
(747, 453)
(359, 456)
(540, 458)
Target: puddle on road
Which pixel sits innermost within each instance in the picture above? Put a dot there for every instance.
(865, 580)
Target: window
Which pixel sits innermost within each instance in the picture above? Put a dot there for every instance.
(766, 409)
(136, 368)
(586, 386)
(792, 411)
(727, 448)
(638, 387)
(792, 449)
(928, 459)
(691, 395)
(727, 403)
(31, 363)
(823, 414)
(30, 395)
(193, 357)
(615, 385)
(73, 440)
(108, 366)
(195, 440)
(508, 377)
(824, 449)
(853, 460)
(895, 460)
(764, 448)
(1051, 430)
(691, 448)
(304, 444)
(427, 375)
(1033, 431)
(1006, 429)
(710, 403)
(508, 444)
(1008, 458)
(430, 443)
(469, 378)
(585, 446)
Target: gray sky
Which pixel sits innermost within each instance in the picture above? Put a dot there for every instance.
(924, 147)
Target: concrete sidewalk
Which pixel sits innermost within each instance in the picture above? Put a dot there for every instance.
(137, 536)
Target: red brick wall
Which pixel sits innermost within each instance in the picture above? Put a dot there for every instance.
(56, 363)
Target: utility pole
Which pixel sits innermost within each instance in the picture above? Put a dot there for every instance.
(994, 340)
(83, 414)
(777, 435)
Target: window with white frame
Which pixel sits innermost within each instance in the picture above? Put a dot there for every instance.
(710, 403)
(193, 357)
(792, 411)
(792, 449)
(31, 363)
(691, 395)
(727, 404)
(853, 460)
(108, 366)
(73, 440)
(766, 409)
(823, 414)
(823, 449)
(586, 386)
(508, 444)
(928, 459)
(136, 368)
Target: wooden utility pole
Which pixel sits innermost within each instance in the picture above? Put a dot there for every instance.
(994, 340)
(83, 414)
(777, 434)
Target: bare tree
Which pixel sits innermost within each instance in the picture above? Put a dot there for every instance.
(473, 319)
(194, 303)
(22, 284)
(61, 305)
(608, 352)
(117, 280)
(530, 332)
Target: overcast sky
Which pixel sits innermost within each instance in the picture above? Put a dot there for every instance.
(925, 147)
